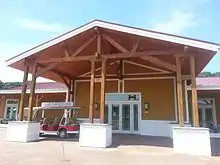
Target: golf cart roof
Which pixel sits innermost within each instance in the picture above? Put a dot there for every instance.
(56, 108)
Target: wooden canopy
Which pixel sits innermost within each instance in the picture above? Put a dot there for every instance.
(68, 56)
(103, 46)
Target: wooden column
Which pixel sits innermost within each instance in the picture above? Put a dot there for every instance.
(179, 92)
(102, 100)
(23, 93)
(195, 113)
(92, 92)
(72, 82)
(37, 99)
(68, 93)
(32, 91)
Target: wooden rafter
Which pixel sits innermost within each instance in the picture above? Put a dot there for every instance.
(98, 42)
(112, 56)
(97, 69)
(66, 53)
(58, 72)
(47, 68)
(146, 66)
(161, 63)
(82, 47)
(115, 43)
(135, 46)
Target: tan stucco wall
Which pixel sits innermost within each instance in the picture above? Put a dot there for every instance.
(158, 93)
(82, 95)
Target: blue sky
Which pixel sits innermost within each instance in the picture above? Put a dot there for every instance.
(26, 23)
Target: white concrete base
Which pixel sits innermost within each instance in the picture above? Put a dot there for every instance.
(95, 135)
(192, 140)
(23, 131)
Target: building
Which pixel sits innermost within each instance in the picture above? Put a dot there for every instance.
(208, 104)
(134, 79)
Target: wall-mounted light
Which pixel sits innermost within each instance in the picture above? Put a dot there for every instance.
(146, 107)
(96, 106)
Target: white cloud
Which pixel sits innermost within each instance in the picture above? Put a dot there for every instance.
(8, 50)
(38, 25)
(178, 22)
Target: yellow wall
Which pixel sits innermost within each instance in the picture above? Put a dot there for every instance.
(158, 93)
(82, 95)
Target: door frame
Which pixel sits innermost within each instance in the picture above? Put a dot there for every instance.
(132, 102)
(11, 105)
(212, 106)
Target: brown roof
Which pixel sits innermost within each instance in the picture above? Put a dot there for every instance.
(44, 86)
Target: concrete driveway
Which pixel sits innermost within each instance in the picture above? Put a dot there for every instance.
(126, 149)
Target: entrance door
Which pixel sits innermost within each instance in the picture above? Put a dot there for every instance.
(206, 117)
(124, 117)
(207, 113)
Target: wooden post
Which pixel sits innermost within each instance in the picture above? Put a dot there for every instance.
(102, 100)
(23, 93)
(32, 91)
(72, 82)
(179, 92)
(194, 93)
(92, 92)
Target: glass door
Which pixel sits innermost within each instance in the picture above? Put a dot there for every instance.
(115, 116)
(135, 117)
(126, 117)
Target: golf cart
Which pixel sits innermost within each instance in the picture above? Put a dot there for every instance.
(61, 126)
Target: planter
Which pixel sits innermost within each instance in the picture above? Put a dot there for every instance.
(95, 135)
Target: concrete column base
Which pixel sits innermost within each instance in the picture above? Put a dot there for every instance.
(95, 135)
(192, 140)
(23, 131)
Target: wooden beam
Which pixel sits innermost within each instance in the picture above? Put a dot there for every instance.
(195, 112)
(68, 85)
(112, 56)
(82, 47)
(68, 93)
(23, 93)
(66, 53)
(135, 46)
(130, 76)
(161, 63)
(47, 68)
(102, 100)
(114, 43)
(179, 92)
(32, 91)
(61, 74)
(92, 92)
(120, 69)
(99, 44)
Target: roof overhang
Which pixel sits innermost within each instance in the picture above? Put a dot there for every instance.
(206, 48)
(43, 91)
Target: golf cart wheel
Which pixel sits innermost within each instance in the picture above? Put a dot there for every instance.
(62, 133)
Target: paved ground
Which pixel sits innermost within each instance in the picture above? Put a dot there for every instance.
(131, 151)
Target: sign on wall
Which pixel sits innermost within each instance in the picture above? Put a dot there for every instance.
(123, 97)
(56, 104)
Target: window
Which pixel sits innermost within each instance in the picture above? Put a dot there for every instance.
(11, 109)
